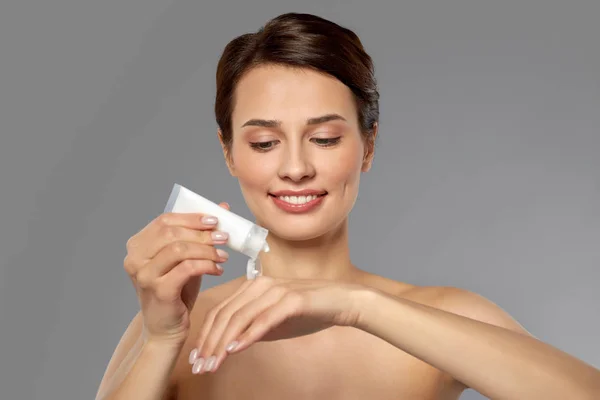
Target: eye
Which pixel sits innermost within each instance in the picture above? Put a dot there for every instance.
(263, 146)
(326, 142)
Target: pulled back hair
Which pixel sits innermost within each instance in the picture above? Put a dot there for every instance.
(301, 41)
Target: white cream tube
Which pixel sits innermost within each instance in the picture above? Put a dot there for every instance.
(244, 236)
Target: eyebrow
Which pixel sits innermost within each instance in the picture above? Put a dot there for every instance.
(271, 123)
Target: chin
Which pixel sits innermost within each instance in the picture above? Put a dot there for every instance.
(301, 229)
(292, 234)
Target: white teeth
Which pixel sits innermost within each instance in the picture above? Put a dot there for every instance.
(297, 199)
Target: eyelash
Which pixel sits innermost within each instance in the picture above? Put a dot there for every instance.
(328, 143)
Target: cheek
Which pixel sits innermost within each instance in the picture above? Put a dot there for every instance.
(253, 170)
(343, 167)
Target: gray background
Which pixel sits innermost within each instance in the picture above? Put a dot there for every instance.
(486, 176)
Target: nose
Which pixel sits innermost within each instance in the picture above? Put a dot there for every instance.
(296, 164)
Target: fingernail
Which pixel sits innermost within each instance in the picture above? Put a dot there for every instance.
(219, 267)
(232, 346)
(197, 366)
(193, 356)
(222, 254)
(209, 220)
(219, 236)
(210, 363)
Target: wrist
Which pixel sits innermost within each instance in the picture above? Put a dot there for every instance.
(173, 342)
(362, 300)
(162, 346)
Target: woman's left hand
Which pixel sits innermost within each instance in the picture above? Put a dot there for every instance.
(267, 309)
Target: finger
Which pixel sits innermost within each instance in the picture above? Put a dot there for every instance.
(216, 314)
(169, 227)
(212, 331)
(171, 235)
(194, 356)
(290, 305)
(174, 254)
(180, 234)
(170, 286)
(220, 339)
(234, 302)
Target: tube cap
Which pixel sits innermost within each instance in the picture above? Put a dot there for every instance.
(255, 242)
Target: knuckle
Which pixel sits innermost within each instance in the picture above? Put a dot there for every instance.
(171, 233)
(260, 321)
(144, 279)
(206, 237)
(188, 266)
(219, 317)
(179, 248)
(212, 313)
(294, 298)
(237, 317)
(128, 265)
(131, 243)
(165, 219)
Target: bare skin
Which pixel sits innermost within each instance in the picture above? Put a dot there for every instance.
(337, 363)
(296, 130)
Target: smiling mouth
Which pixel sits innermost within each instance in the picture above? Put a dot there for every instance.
(298, 200)
(297, 203)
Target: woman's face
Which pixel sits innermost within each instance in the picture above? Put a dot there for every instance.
(297, 150)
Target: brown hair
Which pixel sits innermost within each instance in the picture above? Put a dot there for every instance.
(305, 41)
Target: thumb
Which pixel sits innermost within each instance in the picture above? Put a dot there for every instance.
(225, 206)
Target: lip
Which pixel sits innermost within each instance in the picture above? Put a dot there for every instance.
(304, 192)
(298, 208)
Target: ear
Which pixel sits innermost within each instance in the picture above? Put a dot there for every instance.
(226, 154)
(370, 148)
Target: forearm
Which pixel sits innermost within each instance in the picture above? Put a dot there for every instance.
(144, 374)
(497, 362)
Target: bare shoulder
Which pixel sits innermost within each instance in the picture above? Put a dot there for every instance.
(448, 298)
(465, 303)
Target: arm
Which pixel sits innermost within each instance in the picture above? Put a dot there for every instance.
(139, 369)
(483, 348)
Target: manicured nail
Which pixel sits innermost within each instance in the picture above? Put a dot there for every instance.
(219, 267)
(193, 356)
(232, 346)
(197, 366)
(210, 363)
(209, 220)
(219, 236)
(222, 254)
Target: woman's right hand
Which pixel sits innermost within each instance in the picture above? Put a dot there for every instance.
(166, 261)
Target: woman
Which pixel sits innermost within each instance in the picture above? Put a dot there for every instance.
(297, 110)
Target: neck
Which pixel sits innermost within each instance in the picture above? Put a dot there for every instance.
(326, 257)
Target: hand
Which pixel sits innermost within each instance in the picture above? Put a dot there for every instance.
(267, 309)
(166, 261)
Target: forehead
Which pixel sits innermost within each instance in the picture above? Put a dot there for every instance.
(287, 93)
